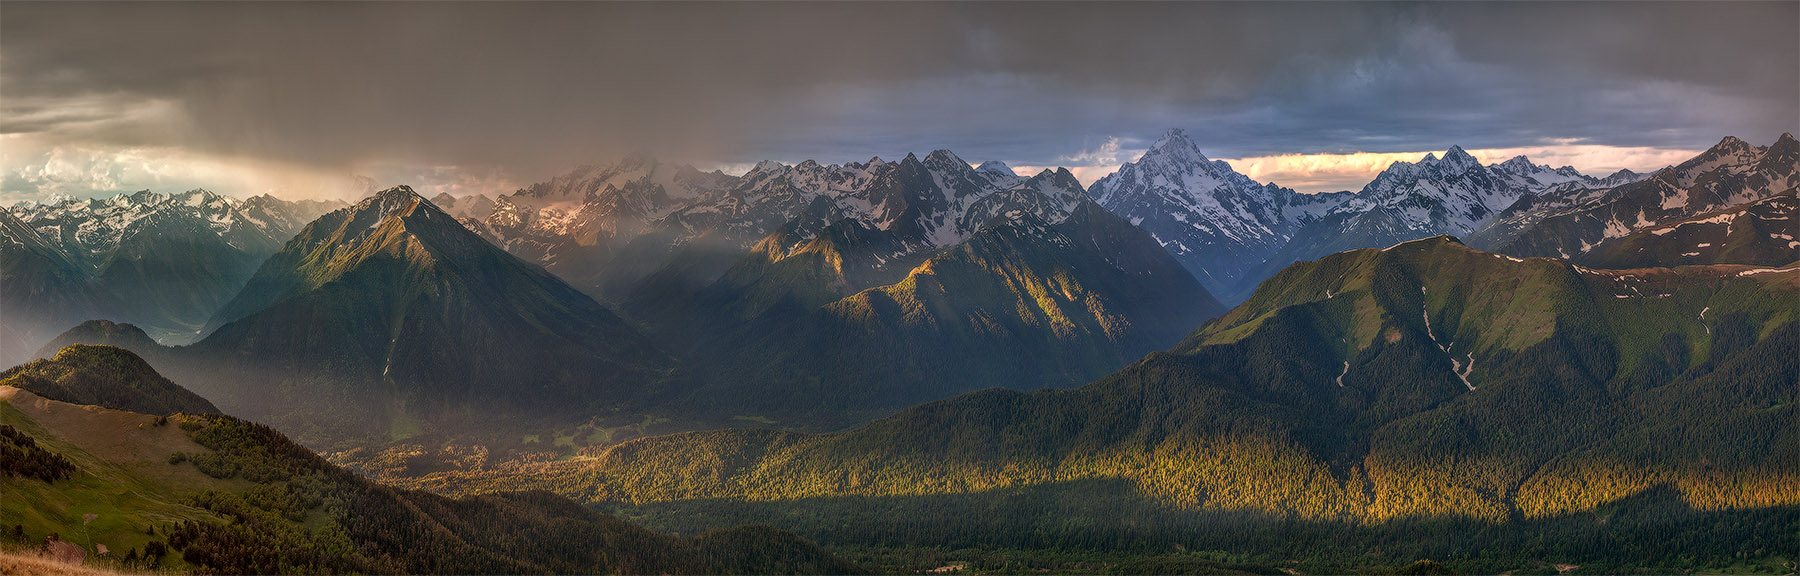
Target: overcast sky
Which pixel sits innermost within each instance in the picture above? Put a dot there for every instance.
(300, 99)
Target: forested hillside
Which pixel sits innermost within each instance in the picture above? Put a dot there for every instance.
(1385, 392)
(215, 494)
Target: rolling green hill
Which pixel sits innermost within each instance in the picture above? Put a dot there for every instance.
(1426, 398)
(105, 376)
(103, 333)
(222, 495)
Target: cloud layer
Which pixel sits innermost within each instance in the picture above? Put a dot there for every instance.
(501, 92)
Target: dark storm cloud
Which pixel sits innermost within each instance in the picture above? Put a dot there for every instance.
(541, 86)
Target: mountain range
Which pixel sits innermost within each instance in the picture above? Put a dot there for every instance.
(931, 355)
(1569, 223)
(832, 238)
(1410, 396)
(40, 290)
(606, 227)
(763, 295)
(1455, 194)
(1023, 303)
(164, 262)
(1220, 224)
(389, 317)
(1759, 233)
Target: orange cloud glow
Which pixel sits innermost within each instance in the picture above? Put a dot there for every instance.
(1331, 172)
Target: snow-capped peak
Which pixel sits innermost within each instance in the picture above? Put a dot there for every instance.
(1174, 147)
(1456, 193)
(1173, 137)
(1214, 220)
(1458, 159)
(995, 167)
(766, 166)
(89, 230)
(401, 191)
(1454, 161)
(398, 198)
(1516, 164)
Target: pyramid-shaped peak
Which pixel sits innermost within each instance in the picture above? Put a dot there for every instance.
(1731, 144)
(1785, 142)
(396, 200)
(1066, 179)
(401, 190)
(995, 167)
(1785, 149)
(945, 158)
(443, 199)
(401, 193)
(1176, 144)
(1518, 165)
(1459, 158)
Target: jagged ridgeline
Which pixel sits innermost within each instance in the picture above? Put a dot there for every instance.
(215, 494)
(1218, 223)
(1426, 382)
(850, 323)
(1760, 233)
(41, 290)
(389, 317)
(1568, 223)
(165, 262)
